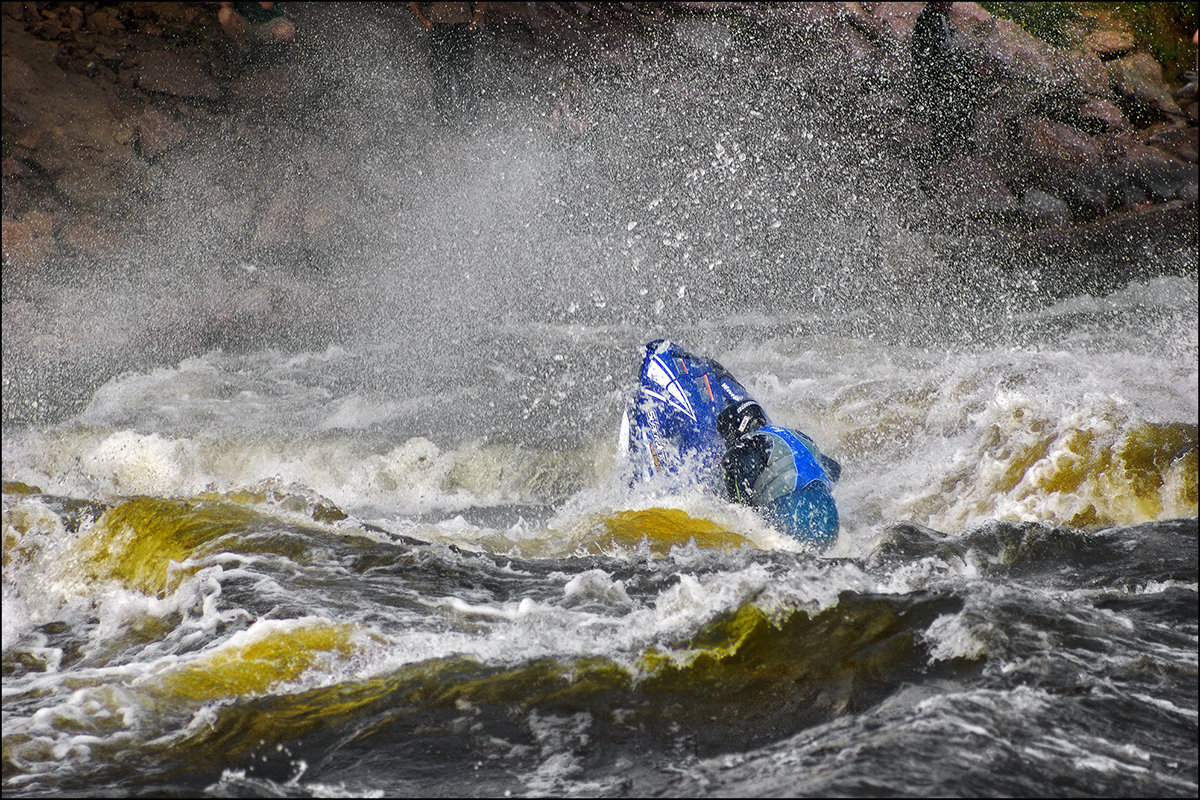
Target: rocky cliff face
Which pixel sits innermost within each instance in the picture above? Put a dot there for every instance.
(133, 124)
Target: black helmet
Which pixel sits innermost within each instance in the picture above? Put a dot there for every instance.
(738, 419)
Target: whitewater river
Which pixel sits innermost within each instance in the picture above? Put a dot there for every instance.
(354, 525)
(375, 569)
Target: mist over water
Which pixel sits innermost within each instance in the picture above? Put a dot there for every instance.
(314, 489)
(707, 181)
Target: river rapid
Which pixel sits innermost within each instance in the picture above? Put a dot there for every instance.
(362, 531)
(261, 573)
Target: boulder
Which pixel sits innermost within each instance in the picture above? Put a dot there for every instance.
(40, 223)
(1055, 146)
(174, 74)
(21, 247)
(1086, 191)
(1138, 77)
(1006, 55)
(882, 21)
(1090, 73)
(1156, 173)
(1181, 142)
(1104, 116)
(1044, 210)
(1108, 44)
(104, 23)
(276, 87)
(88, 238)
(970, 187)
(158, 132)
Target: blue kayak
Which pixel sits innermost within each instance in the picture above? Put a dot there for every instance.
(688, 418)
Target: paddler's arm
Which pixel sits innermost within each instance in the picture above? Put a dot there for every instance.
(741, 465)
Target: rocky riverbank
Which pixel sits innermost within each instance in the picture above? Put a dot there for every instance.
(100, 101)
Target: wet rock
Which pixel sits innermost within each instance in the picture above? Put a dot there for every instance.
(322, 219)
(1044, 210)
(893, 21)
(174, 74)
(1159, 175)
(970, 187)
(1109, 44)
(1008, 56)
(1056, 146)
(99, 182)
(1179, 141)
(1104, 116)
(157, 133)
(40, 223)
(21, 248)
(73, 19)
(275, 88)
(19, 79)
(1091, 190)
(49, 160)
(1090, 74)
(1138, 78)
(87, 238)
(104, 23)
(1121, 237)
(1079, 190)
(14, 168)
(31, 139)
(279, 223)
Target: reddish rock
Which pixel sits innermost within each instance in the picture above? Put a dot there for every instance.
(18, 78)
(158, 132)
(174, 74)
(1096, 109)
(21, 248)
(105, 23)
(13, 167)
(1003, 51)
(891, 20)
(1089, 71)
(73, 18)
(49, 158)
(87, 238)
(31, 139)
(40, 223)
(1109, 44)
(1139, 77)
(1056, 146)
(1183, 142)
